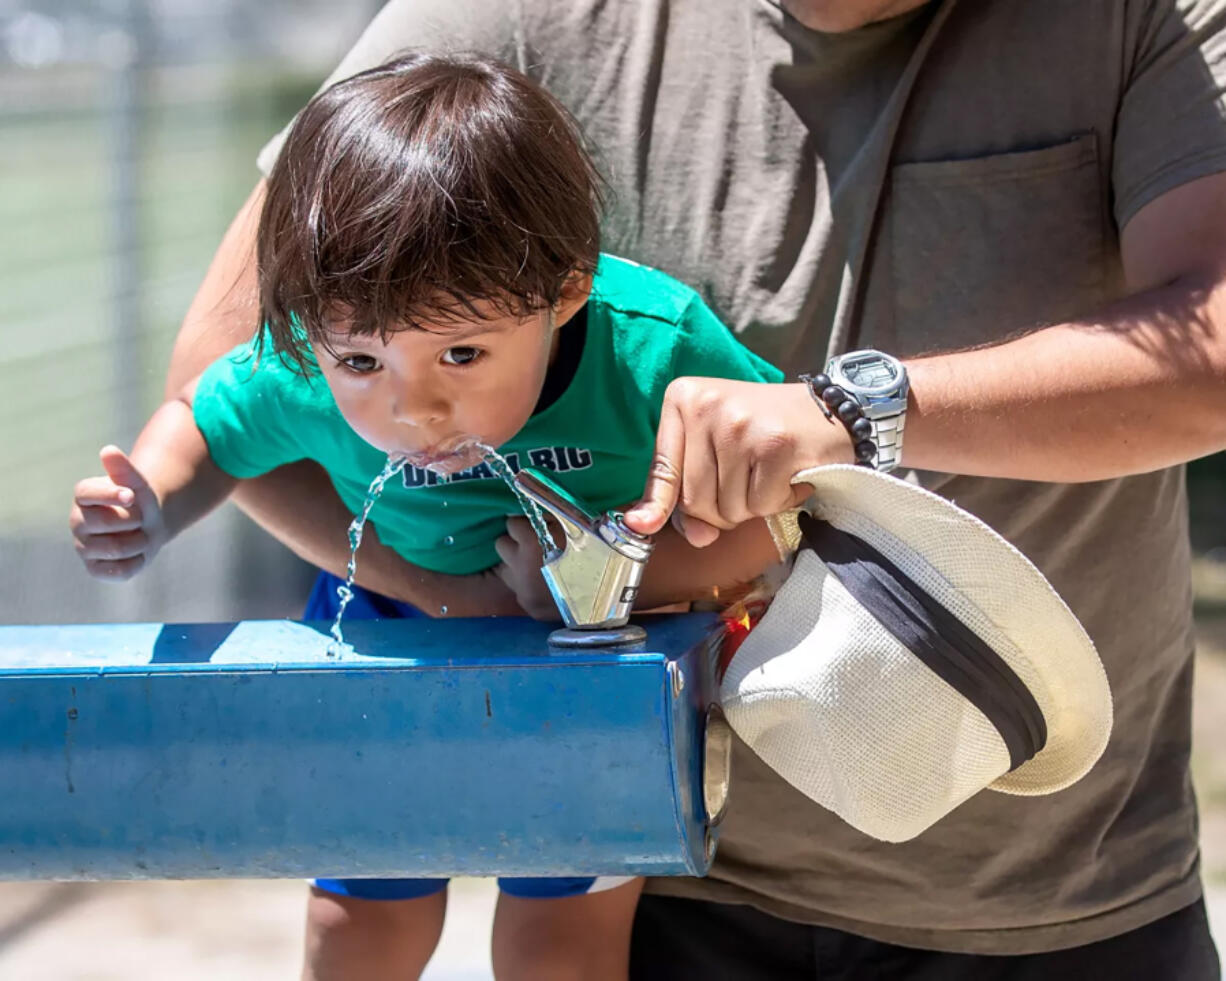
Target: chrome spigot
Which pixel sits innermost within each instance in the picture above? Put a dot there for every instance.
(594, 575)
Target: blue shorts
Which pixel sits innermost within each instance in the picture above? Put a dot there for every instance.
(366, 605)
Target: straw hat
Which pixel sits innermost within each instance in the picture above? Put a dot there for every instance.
(913, 658)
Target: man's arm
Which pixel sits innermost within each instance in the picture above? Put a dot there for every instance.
(1139, 386)
(226, 307)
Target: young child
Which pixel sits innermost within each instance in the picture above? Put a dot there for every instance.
(429, 275)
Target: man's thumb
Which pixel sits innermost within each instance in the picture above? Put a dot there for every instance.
(663, 488)
(646, 517)
(802, 490)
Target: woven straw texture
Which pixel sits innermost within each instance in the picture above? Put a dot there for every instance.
(847, 715)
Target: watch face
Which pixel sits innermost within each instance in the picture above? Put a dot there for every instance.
(873, 372)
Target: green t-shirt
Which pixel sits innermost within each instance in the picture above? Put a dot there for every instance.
(597, 438)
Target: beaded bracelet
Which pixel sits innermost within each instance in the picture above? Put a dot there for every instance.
(833, 401)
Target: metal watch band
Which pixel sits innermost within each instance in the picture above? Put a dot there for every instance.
(887, 436)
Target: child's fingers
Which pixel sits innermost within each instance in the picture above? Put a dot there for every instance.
(521, 532)
(103, 492)
(113, 548)
(117, 571)
(507, 549)
(103, 520)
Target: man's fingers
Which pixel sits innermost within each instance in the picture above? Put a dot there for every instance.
(704, 472)
(115, 571)
(695, 531)
(664, 479)
(771, 489)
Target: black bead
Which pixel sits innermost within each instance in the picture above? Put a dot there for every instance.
(821, 382)
(833, 395)
(865, 451)
(861, 429)
(849, 411)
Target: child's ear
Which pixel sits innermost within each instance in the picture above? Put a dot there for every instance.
(575, 291)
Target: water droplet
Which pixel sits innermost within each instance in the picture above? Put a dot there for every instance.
(449, 540)
(442, 610)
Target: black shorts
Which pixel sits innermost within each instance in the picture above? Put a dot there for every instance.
(679, 939)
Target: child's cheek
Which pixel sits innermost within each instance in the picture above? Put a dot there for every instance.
(513, 414)
(357, 414)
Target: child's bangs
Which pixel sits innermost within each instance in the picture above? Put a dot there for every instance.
(429, 191)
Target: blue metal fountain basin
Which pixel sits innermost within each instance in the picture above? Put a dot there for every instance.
(440, 747)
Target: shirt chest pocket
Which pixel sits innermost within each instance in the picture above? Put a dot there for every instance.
(981, 248)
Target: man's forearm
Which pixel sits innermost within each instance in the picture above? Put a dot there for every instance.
(1140, 387)
(225, 309)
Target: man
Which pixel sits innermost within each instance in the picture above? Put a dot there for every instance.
(1036, 184)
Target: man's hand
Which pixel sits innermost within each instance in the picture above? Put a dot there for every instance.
(520, 571)
(726, 452)
(117, 519)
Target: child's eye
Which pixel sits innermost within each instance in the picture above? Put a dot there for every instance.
(363, 364)
(461, 355)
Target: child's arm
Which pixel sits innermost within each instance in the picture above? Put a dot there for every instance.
(121, 520)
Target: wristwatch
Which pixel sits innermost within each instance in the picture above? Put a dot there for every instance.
(878, 384)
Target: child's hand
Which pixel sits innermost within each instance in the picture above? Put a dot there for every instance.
(522, 559)
(116, 520)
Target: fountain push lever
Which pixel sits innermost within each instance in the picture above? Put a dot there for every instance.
(594, 576)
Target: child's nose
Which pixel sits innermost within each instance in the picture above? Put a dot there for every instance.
(415, 406)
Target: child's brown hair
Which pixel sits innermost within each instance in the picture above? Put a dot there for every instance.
(417, 188)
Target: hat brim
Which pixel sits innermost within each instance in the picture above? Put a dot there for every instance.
(992, 588)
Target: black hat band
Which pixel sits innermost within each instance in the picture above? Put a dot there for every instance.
(949, 648)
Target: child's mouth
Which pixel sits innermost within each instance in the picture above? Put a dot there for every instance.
(447, 458)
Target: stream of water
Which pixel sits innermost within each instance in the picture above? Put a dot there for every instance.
(393, 466)
(345, 593)
(500, 466)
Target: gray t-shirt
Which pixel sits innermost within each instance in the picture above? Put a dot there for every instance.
(939, 180)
